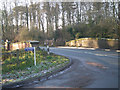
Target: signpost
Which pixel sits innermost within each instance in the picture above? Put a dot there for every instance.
(34, 57)
(32, 49)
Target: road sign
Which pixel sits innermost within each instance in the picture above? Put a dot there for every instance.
(29, 49)
(32, 49)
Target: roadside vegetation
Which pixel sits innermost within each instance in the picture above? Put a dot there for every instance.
(16, 70)
(41, 21)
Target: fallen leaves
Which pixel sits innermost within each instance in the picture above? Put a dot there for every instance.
(97, 65)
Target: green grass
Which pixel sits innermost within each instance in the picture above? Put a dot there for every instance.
(26, 60)
(15, 70)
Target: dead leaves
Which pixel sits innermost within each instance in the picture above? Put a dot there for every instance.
(97, 65)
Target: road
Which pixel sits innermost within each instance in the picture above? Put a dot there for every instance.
(91, 68)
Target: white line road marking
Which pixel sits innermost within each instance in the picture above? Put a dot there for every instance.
(92, 53)
(87, 48)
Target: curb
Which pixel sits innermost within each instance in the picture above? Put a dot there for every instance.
(20, 84)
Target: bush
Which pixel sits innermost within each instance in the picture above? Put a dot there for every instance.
(33, 34)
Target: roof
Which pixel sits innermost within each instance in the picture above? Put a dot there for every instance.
(32, 41)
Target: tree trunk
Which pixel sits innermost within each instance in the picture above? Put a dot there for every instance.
(119, 11)
(63, 17)
(27, 17)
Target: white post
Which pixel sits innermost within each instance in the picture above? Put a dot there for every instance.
(48, 49)
(34, 57)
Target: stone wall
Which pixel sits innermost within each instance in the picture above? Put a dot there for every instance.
(95, 43)
(18, 45)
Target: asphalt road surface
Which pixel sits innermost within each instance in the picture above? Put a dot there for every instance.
(91, 68)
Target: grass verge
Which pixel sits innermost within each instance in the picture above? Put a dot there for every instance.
(18, 70)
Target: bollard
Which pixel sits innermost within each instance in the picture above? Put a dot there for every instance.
(48, 49)
(17, 51)
(17, 57)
